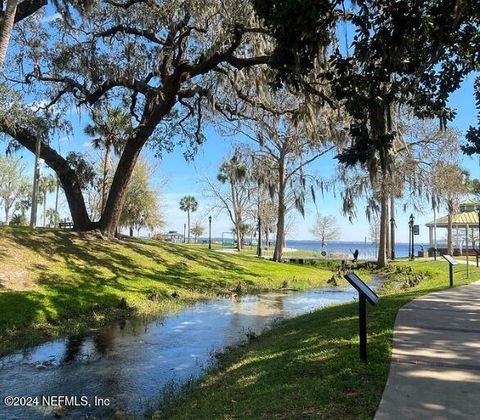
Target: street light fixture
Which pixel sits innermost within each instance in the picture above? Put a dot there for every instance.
(412, 241)
(209, 232)
(392, 238)
(478, 242)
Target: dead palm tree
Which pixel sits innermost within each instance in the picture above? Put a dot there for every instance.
(109, 132)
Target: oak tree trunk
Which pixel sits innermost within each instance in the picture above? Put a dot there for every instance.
(117, 194)
(280, 237)
(382, 247)
(105, 175)
(387, 231)
(392, 226)
(237, 216)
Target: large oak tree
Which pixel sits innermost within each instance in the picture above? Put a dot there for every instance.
(161, 60)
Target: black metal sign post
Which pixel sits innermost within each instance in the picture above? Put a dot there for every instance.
(451, 262)
(362, 326)
(209, 232)
(364, 294)
(477, 252)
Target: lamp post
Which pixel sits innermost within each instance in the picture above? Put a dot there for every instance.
(435, 232)
(209, 232)
(392, 238)
(409, 239)
(184, 232)
(478, 242)
(410, 224)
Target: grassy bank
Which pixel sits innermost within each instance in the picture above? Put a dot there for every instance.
(308, 367)
(55, 282)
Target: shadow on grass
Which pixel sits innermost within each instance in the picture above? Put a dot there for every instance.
(83, 277)
(97, 256)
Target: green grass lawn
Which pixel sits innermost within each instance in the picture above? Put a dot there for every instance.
(308, 367)
(55, 282)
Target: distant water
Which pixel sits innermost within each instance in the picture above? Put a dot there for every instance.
(347, 248)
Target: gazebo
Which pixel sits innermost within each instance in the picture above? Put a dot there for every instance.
(465, 225)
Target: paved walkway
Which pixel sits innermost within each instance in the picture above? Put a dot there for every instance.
(435, 370)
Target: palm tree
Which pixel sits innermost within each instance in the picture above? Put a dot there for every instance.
(190, 205)
(233, 172)
(48, 184)
(109, 132)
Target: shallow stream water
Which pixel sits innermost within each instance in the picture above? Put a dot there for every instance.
(128, 364)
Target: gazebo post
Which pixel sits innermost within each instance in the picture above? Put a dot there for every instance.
(466, 243)
(458, 241)
(435, 233)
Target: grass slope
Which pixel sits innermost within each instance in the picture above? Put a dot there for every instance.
(308, 367)
(55, 282)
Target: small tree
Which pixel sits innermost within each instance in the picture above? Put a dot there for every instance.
(475, 187)
(236, 200)
(53, 218)
(375, 228)
(451, 183)
(190, 205)
(141, 208)
(18, 219)
(326, 229)
(197, 230)
(14, 187)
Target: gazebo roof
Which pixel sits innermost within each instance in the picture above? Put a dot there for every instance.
(470, 201)
(463, 218)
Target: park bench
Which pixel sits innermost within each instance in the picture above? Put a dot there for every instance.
(66, 225)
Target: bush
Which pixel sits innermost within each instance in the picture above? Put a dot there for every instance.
(157, 237)
(18, 220)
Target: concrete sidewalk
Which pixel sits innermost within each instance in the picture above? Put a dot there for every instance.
(435, 369)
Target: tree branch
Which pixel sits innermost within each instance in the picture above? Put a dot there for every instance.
(27, 8)
(151, 36)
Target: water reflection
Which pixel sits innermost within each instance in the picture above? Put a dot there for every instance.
(73, 348)
(129, 362)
